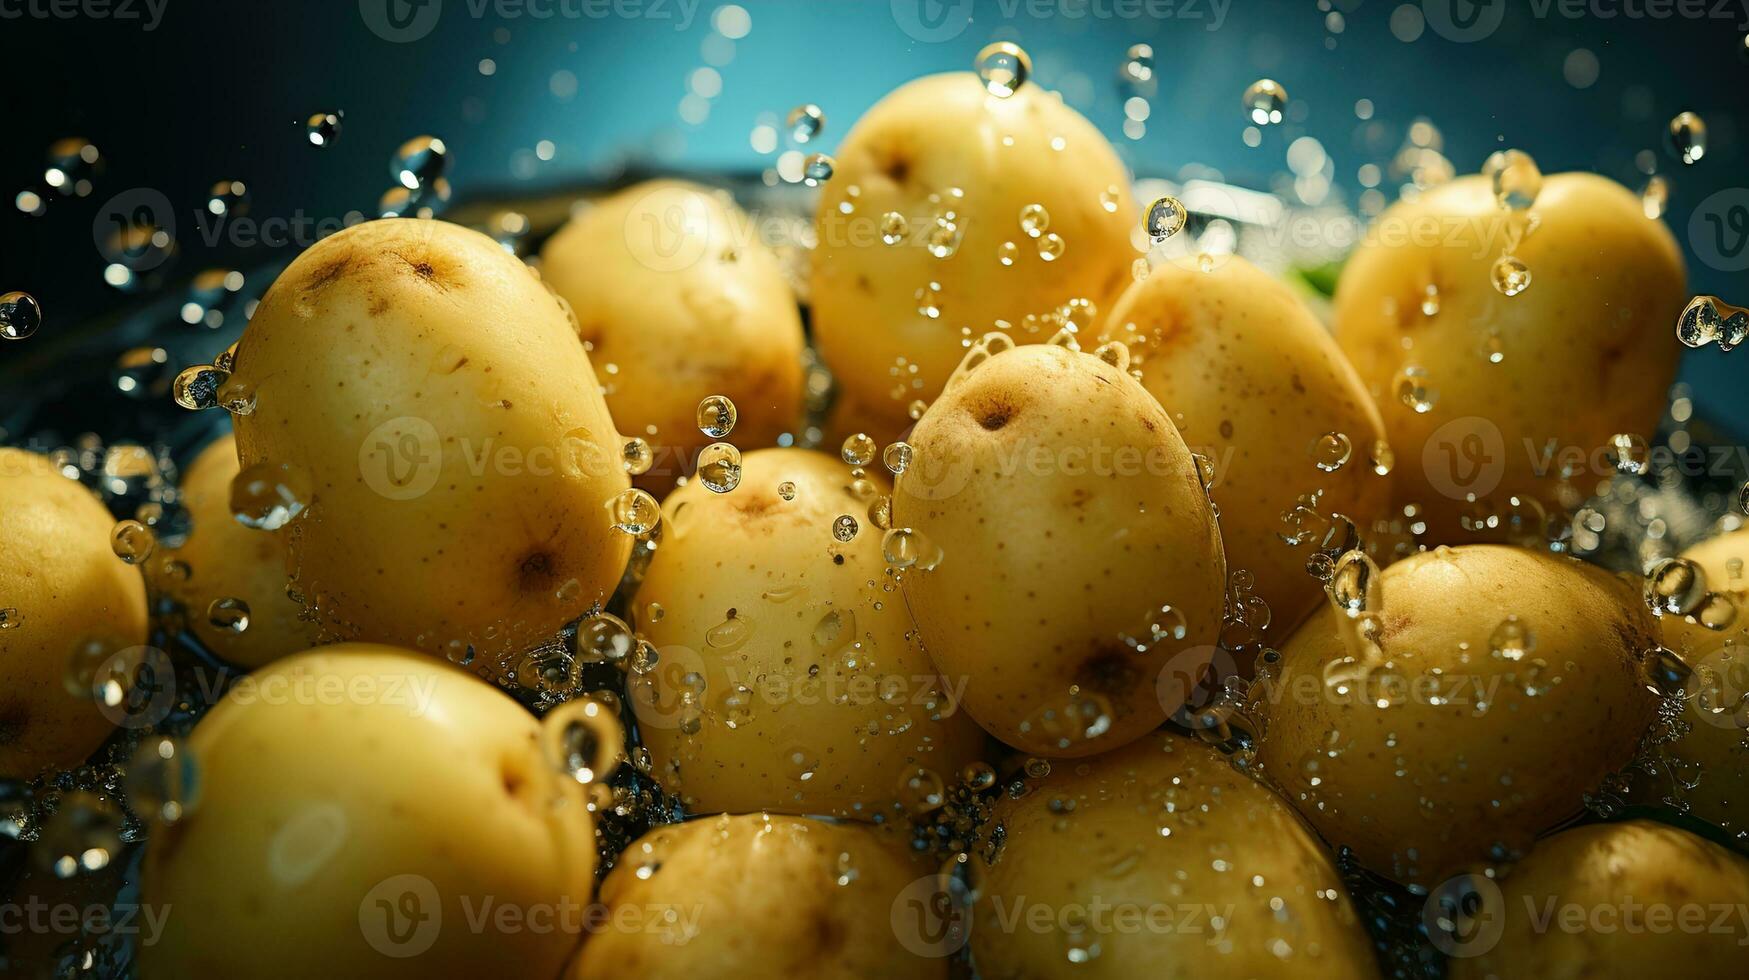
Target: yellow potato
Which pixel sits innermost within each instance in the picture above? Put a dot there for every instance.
(461, 454)
(1706, 767)
(359, 807)
(1510, 683)
(1608, 902)
(1080, 561)
(1161, 860)
(67, 605)
(224, 559)
(1256, 385)
(1586, 352)
(754, 896)
(790, 676)
(678, 297)
(969, 174)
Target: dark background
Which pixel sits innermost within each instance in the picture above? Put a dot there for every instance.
(219, 90)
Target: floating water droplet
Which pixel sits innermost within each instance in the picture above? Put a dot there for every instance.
(634, 511)
(1655, 197)
(1415, 389)
(1430, 300)
(71, 165)
(1510, 275)
(132, 542)
(198, 387)
(420, 162)
(1264, 101)
(81, 836)
(1115, 353)
(1381, 456)
(1675, 586)
(1051, 246)
(229, 614)
(637, 456)
(1354, 587)
(10, 618)
(1664, 672)
(1688, 137)
(1003, 68)
(1516, 179)
(800, 763)
(894, 228)
(323, 128)
(858, 449)
(20, 316)
(162, 780)
(1034, 220)
(1161, 624)
(921, 790)
(1166, 217)
(605, 637)
(268, 495)
(1138, 66)
(1007, 252)
(1511, 639)
(817, 169)
(844, 527)
(582, 739)
(929, 300)
(719, 467)
(1631, 453)
(786, 490)
(228, 198)
(897, 457)
(1331, 450)
(1708, 319)
(716, 416)
(805, 122)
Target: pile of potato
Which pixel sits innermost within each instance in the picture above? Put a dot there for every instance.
(1137, 620)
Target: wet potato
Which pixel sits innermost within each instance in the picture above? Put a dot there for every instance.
(1068, 516)
(677, 298)
(447, 416)
(1512, 686)
(790, 678)
(69, 607)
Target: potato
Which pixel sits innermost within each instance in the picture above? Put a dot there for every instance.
(679, 298)
(1160, 860)
(67, 604)
(1256, 385)
(461, 454)
(1079, 553)
(790, 676)
(760, 895)
(1623, 900)
(1706, 767)
(359, 805)
(225, 559)
(1586, 352)
(1505, 685)
(972, 177)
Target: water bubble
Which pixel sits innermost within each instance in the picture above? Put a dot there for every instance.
(1381, 456)
(1331, 450)
(1655, 197)
(10, 618)
(903, 547)
(72, 163)
(1354, 587)
(323, 128)
(897, 457)
(1115, 353)
(82, 835)
(229, 614)
(1631, 453)
(132, 542)
(582, 739)
(1663, 672)
(1708, 319)
(1511, 639)
(1138, 66)
(805, 122)
(1510, 275)
(198, 387)
(1034, 220)
(636, 455)
(228, 198)
(1003, 68)
(719, 467)
(20, 316)
(817, 169)
(786, 490)
(604, 638)
(844, 527)
(880, 512)
(420, 162)
(921, 790)
(716, 416)
(1675, 586)
(1688, 137)
(634, 511)
(1166, 217)
(1264, 101)
(1162, 623)
(162, 780)
(800, 763)
(929, 300)
(1516, 179)
(858, 449)
(1051, 246)
(267, 495)
(1415, 389)
(894, 227)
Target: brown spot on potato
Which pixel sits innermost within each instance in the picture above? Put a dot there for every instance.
(1108, 669)
(536, 572)
(14, 716)
(994, 412)
(327, 274)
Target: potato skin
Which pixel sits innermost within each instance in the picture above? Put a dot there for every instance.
(1068, 510)
(225, 559)
(1616, 874)
(69, 590)
(1588, 349)
(368, 751)
(1252, 381)
(461, 453)
(1432, 781)
(1164, 824)
(1712, 756)
(935, 135)
(681, 318)
(757, 896)
(806, 604)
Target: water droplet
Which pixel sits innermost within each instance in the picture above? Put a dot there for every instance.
(198, 387)
(1331, 450)
(1051, 246)
(1688, 137)
(1511, 639)
(1631, 453)
(228, 198)
(20, 316)
(1007, 252)
(1165, 218)
(929, 300)
(719, 467)
(716, 416)
(1034, 220)
(1115, 353)
(894, 227)
(162, 780)
(604, 637)
(1664, 672)
(1516, 179)
(228, 614)
(1160, 624)
(880, 512)
(81, 836)
(805, 122)
(637, 456)
(817, 169)
(921, 790)
(1430, 300)
(1415, 389)
(420, 163)
(1354, 587)
(323, 128)
(1138, 66)
(844, 527)
(1510, 275)
(1004, 68)
(1675, 586)
(1264, 101)
(858, 449)
(10, 618)
(267, 495)
(132, 542)
(634, 511)
(1708, 319)
(897, 457)
(800, 763)
(786, 490)
(71, 165)
(1381, 456)
(582, 739)
(1655, 197)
